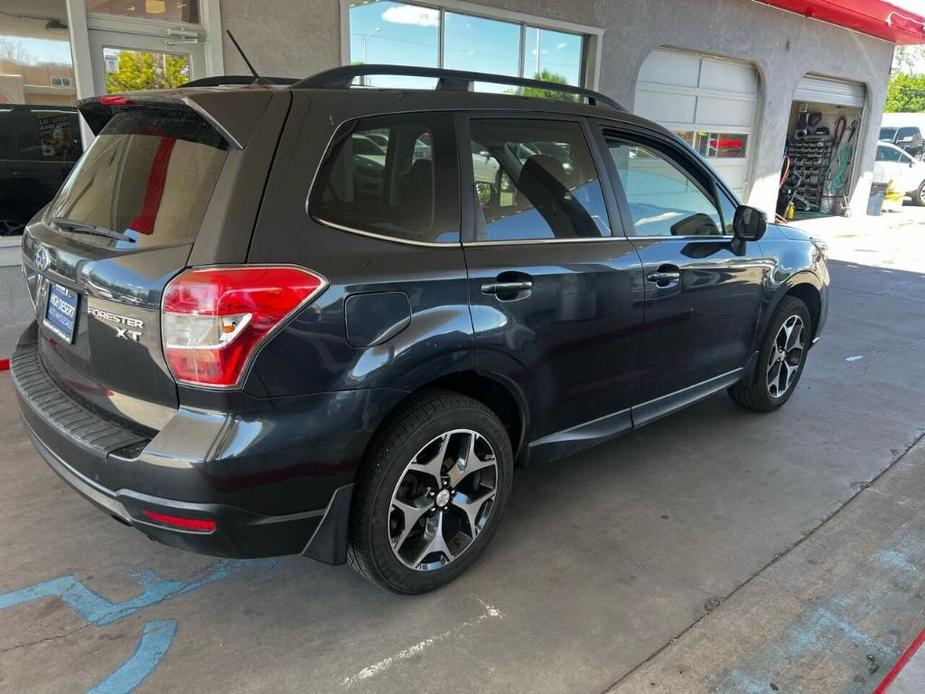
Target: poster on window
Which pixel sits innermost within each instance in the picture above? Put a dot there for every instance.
(56, 133)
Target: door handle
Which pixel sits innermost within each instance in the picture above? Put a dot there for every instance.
(506, 287)
(665, 275)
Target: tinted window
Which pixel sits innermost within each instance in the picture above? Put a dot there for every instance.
(888, 154)
(664, 199)
(535, 179)
(887, 134)
(907, 132)
(394, 176)
(149, 174)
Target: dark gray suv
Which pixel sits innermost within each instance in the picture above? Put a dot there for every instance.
(318, 319)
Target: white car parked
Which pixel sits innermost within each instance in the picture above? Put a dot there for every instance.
(906, 173)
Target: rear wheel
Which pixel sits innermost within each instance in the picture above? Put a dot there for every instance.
(431, 493)
(781, 359)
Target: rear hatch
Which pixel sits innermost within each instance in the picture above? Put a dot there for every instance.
(100, 254)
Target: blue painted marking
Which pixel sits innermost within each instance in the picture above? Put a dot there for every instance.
(98, 611)
(155, 640)
(897, 559)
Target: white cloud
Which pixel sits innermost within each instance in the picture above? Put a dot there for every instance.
(408, 14)
(560, 46)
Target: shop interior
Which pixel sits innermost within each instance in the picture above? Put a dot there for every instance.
(818, 160)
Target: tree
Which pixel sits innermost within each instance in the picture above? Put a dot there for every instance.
(909, 59)
(143, 70)
(547, 76)
(905, 93)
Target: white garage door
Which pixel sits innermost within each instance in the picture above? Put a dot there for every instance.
(708, 101)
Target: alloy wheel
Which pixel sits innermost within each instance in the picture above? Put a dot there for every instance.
(443, 499)
(786, 357)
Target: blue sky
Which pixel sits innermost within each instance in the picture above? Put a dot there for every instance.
(402, 34)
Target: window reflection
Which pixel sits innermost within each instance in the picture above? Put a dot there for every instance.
(39, 131)
(399, 33)
(165, 10)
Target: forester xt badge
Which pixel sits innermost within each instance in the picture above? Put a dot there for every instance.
(126, 327)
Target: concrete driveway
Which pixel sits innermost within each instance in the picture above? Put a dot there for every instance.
(667, 560)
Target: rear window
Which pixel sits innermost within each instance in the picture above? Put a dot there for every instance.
(149, 174)
(393, 176)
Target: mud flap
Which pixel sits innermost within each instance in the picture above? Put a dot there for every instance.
(328, 543)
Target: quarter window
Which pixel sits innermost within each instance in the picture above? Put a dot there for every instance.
(535, 179)
(664, 199)
(393, 176)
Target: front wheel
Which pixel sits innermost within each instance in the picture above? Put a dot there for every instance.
(781, 359)
(430, 494)
(918, 197)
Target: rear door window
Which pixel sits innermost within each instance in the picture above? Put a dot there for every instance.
(535, 179)
(149, 174)
(393, 176)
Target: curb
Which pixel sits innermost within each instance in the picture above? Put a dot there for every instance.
(900, 664)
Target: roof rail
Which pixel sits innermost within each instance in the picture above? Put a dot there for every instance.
(221, 80)
(448, 80)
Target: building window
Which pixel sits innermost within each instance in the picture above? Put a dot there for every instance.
(164, 10)
(399, 33)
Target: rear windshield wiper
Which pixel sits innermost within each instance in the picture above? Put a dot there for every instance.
(93, 229)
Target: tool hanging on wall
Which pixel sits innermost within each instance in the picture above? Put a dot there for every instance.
(837, 177)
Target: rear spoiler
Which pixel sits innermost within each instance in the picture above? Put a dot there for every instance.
(234, 113)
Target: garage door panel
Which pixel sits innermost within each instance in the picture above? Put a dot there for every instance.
(671, 67)
(714, 98)
(719, 112)
(662, 106)
(724, 76)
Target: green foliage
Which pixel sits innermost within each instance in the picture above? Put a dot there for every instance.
(143, 70)
(905, 93)
(547, 76)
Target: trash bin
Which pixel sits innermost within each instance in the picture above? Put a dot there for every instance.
(877, 196)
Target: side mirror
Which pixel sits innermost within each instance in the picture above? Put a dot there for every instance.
(749, 223)
(486, 193)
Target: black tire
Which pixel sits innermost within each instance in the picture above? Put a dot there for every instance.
(418, 422)
(756, 395)
(918, 198)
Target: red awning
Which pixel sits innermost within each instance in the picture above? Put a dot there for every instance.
(875, 17)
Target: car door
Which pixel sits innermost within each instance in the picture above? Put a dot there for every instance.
(703, 289)
(555, 287)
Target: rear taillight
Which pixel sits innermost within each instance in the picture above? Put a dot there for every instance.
(214, 319)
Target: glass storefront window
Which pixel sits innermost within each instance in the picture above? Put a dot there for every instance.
(35, 59)
(134, 70)
(552, 56)
(482, 45)
(39, 131)
(397, 34)
(165, 10)
(405, 34)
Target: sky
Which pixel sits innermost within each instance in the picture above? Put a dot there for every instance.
(44, 50)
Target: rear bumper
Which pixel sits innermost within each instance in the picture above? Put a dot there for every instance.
(238, 533)
(274, 481)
